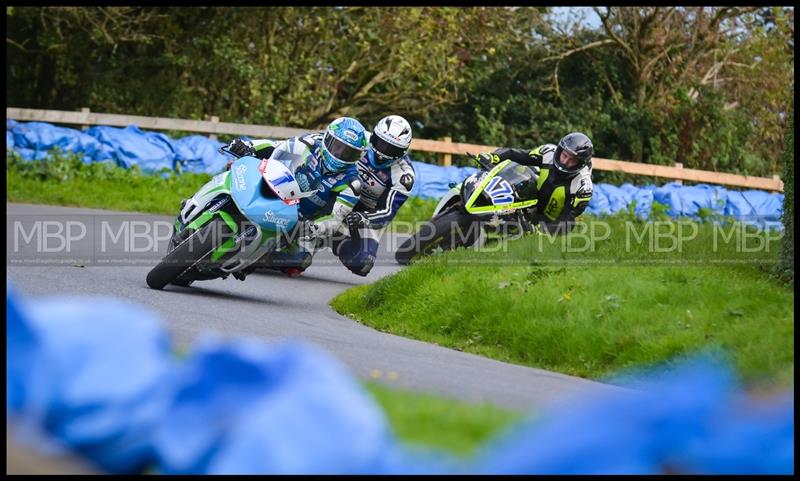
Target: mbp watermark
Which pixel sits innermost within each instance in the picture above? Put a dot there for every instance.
(86, 239)
(660, 236)
(599, 241)
(746, 238)
(48, 236)
(134, 236)
(145, 239)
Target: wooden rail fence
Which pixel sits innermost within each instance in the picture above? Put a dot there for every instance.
(446, 148)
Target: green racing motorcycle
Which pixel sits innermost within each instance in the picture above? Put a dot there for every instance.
(234, 220)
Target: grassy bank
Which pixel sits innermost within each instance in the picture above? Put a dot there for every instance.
(65, 180)
(415, 209)
(432, 421)
(600, 305)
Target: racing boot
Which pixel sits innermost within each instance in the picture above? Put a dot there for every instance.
(291, 262)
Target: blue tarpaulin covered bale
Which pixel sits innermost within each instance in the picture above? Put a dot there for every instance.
(686, 201)
(284, 409)
(433, 181)
(149, 150)
(197, 153)
(91, 374)
(34, 140)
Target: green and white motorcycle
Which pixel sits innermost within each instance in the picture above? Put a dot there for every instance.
(235, 219)
(496, 201)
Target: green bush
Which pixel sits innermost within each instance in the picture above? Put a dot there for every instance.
(64, 179)
(787, 247)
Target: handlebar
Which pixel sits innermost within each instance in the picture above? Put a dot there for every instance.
(224, 150)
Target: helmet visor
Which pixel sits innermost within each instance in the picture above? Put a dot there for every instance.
(568, 161)
(341, 150)
(386, 150)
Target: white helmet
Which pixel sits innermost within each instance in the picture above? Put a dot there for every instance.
(389, 141)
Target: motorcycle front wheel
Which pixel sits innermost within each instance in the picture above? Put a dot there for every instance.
(189, 253)
(449, 231)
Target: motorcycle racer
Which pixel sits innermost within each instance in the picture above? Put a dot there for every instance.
(564, 182)
(324, 163)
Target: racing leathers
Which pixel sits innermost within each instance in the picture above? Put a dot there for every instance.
(562, 197)
(383, 192)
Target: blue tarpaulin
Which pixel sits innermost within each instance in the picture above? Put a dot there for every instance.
(34, 140)
(149, 150)
(95, 376)
(433, 181)
(155, 151)
(196, 153)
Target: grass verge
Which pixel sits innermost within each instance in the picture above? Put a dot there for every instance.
(432, 421)
(619, 301)
(65, 180)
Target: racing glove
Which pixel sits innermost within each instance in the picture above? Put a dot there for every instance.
(356, 220)
(487, 159)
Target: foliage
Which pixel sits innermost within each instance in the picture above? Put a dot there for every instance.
(713, 96)
(706, 86)
(424, 419)
(787, 247)
(592, 308)
(279, 66)
(66, 180)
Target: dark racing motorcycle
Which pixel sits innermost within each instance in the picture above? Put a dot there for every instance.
(496, 201)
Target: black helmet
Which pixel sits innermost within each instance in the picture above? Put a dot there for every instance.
(576, 145)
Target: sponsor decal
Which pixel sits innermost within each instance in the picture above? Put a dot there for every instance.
(238, 177)
(317, 200)
(219, 179)
(351, 135)
(552, 208)
(407, 181)
(311, 160)
(247, 233)
(217, 205)
(278, 220)
(474, 179)
(262, 166)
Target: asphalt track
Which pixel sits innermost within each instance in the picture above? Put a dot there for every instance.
(266, 305)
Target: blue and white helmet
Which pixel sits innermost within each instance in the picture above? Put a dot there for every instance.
(389, 141)
(344, 143)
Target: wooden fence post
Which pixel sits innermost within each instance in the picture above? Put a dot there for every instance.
(86, 111)
(214, 119)
(680, 166)
(447, 159)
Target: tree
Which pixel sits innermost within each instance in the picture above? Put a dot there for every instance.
(284, 66)
(787, 243)
(738, 58)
